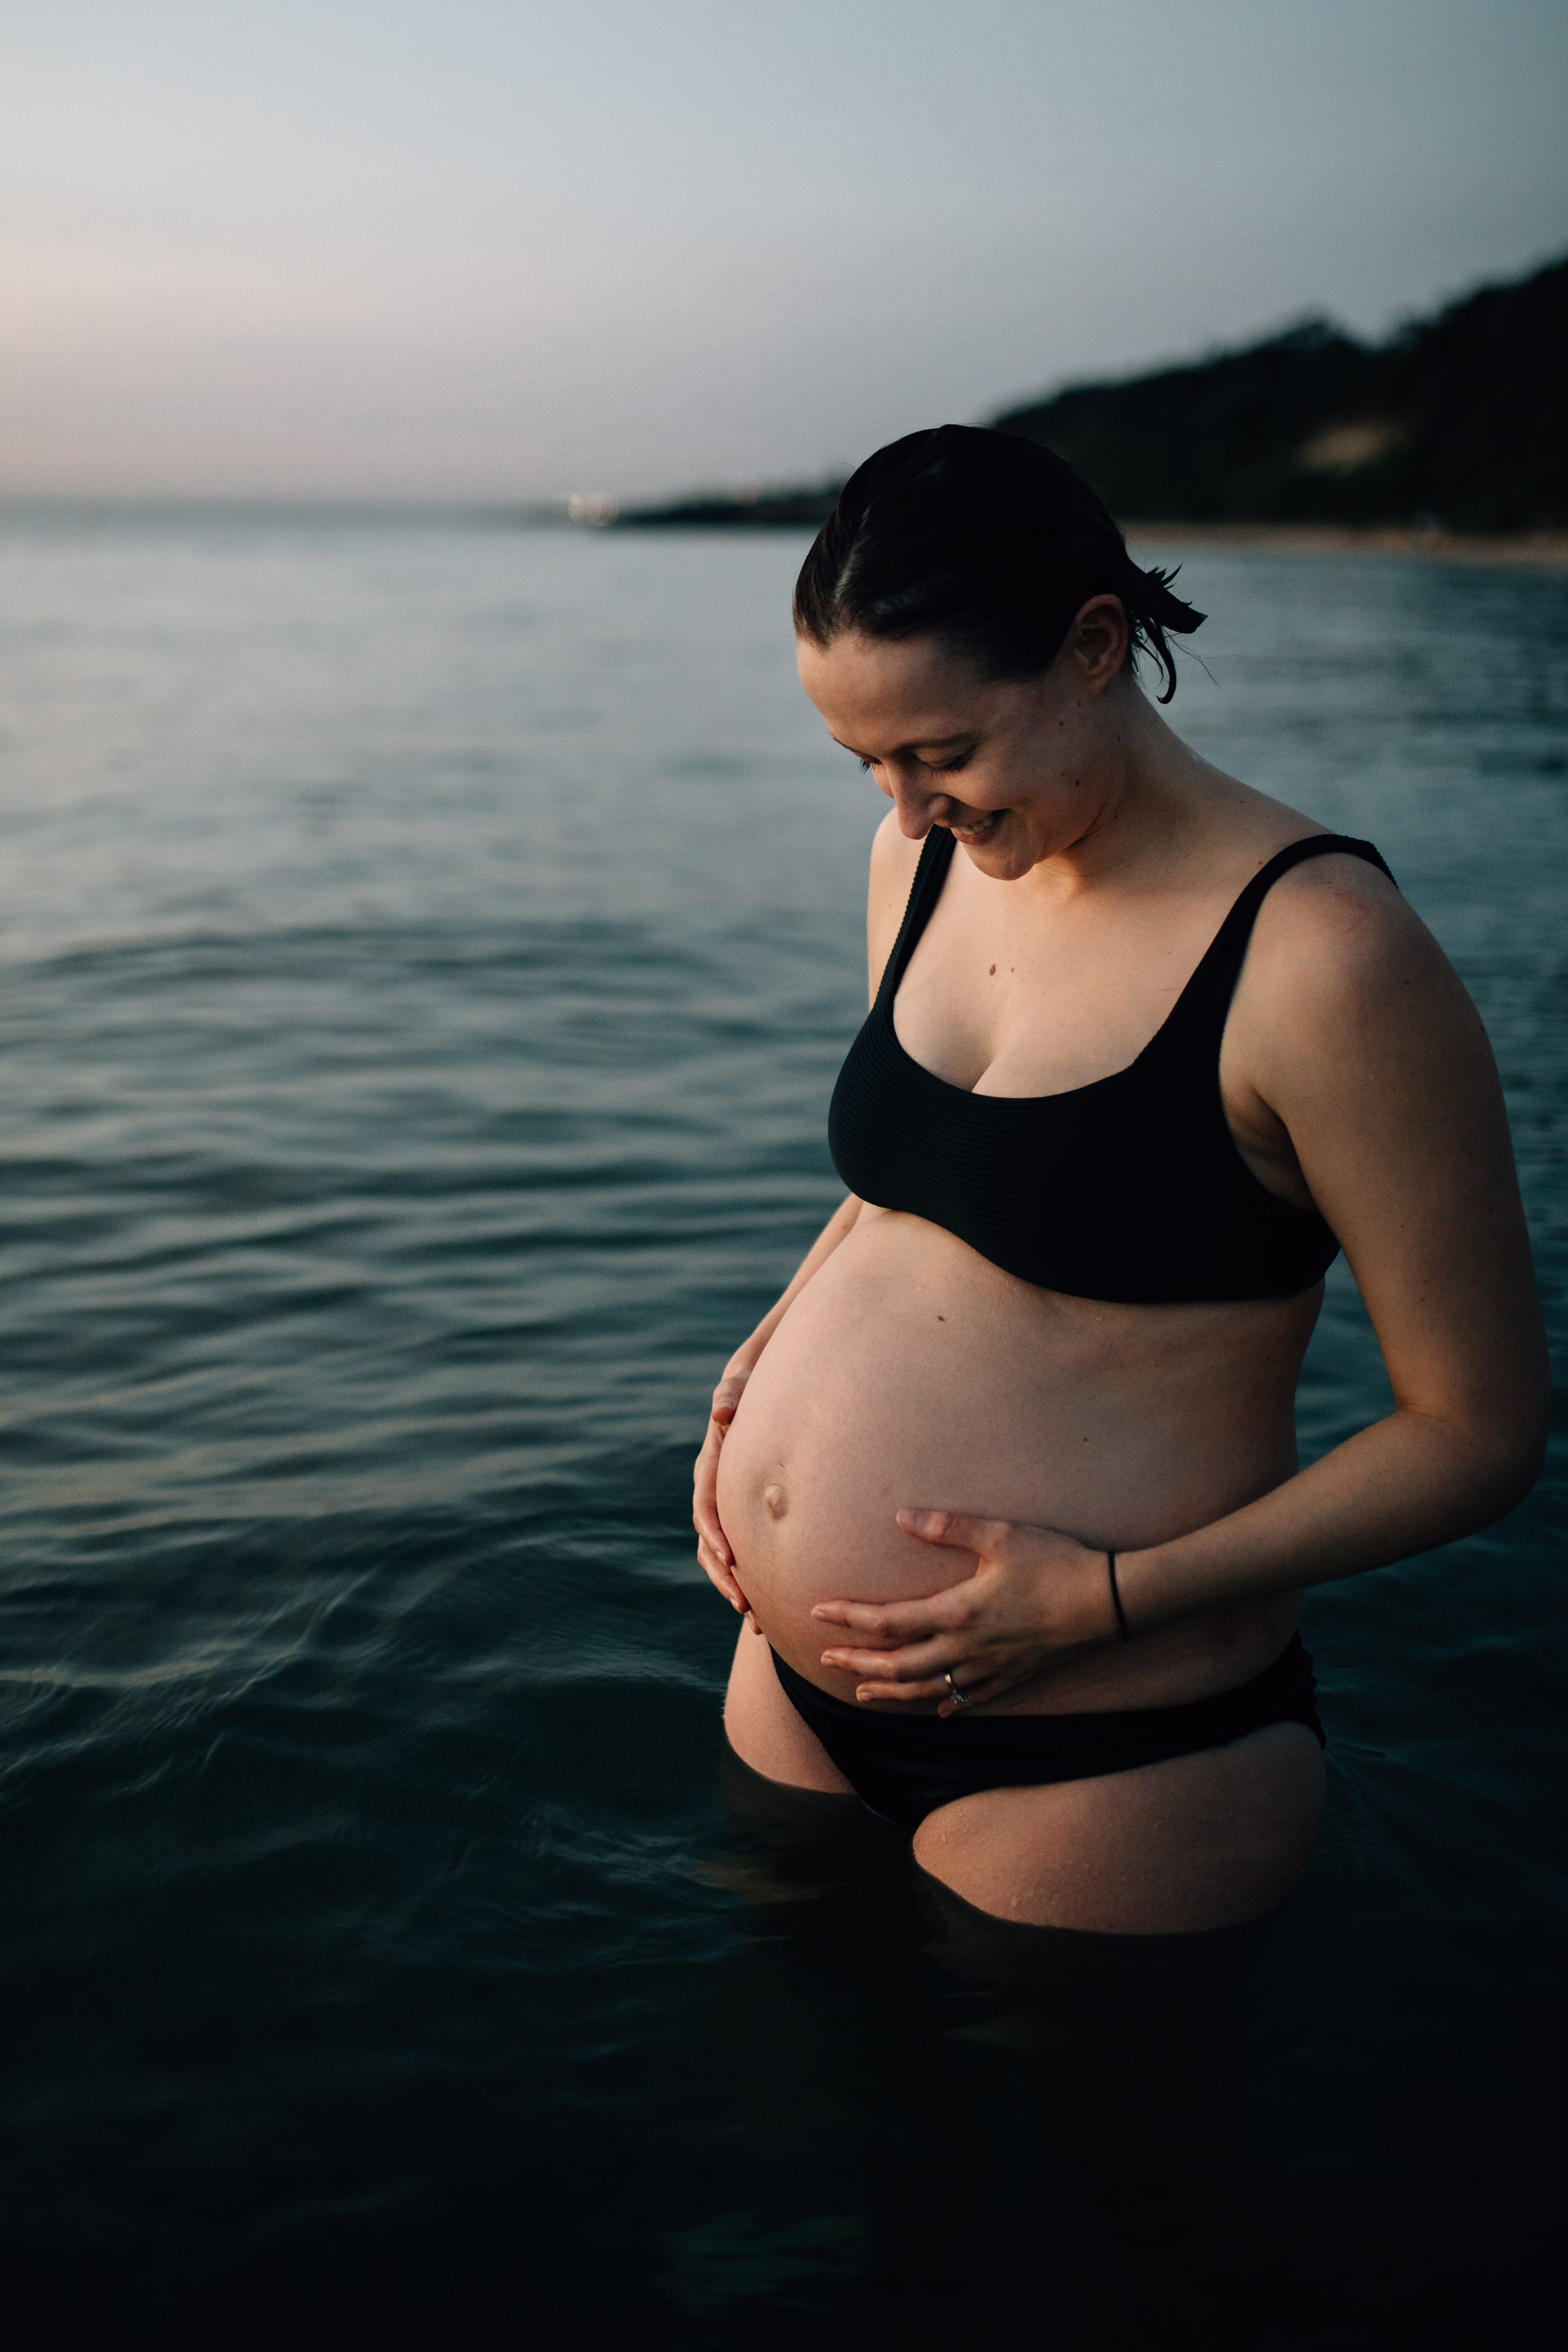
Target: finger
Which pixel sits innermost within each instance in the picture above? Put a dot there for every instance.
(960, 1529)
(917, 1663)
(726, 1397)
(895, 1622)
(715, 1563)
(719, 1576)
(705, 1519)
(899, 1694)
(975, 1693)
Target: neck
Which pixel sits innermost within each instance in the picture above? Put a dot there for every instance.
(1152, 796)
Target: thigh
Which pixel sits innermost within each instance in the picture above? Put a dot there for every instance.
(764, 1730)
(1201, 1841)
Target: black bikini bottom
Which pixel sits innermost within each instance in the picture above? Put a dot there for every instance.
(903, 1767)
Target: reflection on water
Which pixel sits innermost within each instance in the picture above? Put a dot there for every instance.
(425, 956)
(1065, 2108)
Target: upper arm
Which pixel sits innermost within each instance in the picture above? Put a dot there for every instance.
(1361, 1040)
(893, 863)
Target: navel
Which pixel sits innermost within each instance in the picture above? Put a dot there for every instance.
(775, 1502)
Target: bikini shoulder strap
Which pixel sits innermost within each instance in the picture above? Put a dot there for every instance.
(936, 857)
(1212, 986)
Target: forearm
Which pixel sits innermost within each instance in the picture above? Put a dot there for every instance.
(821, 1250)
(1407, 1484)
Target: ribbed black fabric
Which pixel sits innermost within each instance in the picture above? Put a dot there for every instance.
(1129, 1188)
(904, 1766)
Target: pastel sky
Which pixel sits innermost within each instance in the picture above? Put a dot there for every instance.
(490, 248)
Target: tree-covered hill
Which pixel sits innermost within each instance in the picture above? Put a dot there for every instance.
(1459, 420)
(1462, 418)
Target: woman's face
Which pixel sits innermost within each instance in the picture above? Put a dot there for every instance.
(1017, 770)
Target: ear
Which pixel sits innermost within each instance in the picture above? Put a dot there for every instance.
(1097, 642)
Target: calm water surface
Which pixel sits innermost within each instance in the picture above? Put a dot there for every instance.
(426, 955)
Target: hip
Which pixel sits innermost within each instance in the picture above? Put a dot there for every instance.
(905, 1767)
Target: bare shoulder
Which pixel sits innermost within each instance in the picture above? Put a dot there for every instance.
(1341, 961)
(1340, 918)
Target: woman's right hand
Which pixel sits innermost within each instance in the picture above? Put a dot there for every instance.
(713, 1553)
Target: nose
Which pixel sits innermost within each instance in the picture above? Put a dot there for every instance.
(917, 811)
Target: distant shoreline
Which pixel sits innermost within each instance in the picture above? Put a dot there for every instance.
(1532, 551)
(1536, 551)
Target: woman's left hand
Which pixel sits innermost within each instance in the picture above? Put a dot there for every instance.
(1034, 1600)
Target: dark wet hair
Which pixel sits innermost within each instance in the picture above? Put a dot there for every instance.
(983, 539)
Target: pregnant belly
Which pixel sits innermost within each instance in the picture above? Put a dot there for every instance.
(911, 1371)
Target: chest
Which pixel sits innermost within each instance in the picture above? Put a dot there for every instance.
(1006, 998)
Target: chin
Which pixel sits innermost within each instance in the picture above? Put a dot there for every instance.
(999, 859)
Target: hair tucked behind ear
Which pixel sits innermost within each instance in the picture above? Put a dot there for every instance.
(986, 540)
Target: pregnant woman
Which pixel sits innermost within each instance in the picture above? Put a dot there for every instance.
(1007, 1478)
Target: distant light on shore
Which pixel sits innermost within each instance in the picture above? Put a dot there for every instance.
(595, 507)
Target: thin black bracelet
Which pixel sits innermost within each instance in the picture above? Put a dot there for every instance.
(1116, 1597)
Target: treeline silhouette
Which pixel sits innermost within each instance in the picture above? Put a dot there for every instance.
(1459, 421)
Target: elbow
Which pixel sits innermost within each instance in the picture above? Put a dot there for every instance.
(1513, 1484)
(1532, 1437)
(1507, 1463)
(1530, 1461)
(1487, 1461)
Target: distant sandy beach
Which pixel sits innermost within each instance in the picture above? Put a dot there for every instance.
(1538, 551)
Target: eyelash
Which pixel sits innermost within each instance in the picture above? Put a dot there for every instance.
(948, 767)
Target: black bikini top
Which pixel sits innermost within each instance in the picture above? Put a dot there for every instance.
(1129, 1188)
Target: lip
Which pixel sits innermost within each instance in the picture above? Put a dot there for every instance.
(983, 833)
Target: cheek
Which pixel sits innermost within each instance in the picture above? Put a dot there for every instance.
(1066, 761)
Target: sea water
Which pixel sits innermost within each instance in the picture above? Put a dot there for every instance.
(425, 950)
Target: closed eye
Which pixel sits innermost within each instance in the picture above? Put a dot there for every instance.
(933, 767)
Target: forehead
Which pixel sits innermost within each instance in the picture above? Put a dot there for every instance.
(879, 693)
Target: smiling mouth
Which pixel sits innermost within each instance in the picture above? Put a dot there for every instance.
(980, 830)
